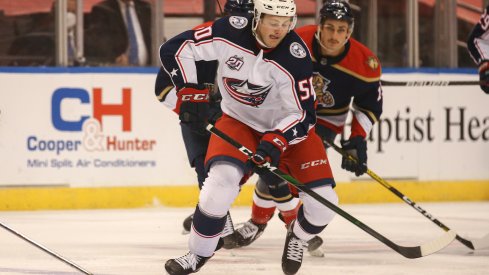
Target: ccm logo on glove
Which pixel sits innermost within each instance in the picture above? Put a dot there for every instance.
(196, 97)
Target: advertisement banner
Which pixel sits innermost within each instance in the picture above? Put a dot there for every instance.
(108, 129)
(87, 129)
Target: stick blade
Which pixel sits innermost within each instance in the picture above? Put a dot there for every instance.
(438, 244)
(428, 248)
(482, 243)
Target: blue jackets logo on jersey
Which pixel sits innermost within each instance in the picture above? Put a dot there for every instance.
(238, 22)
(245, 92)
(297, 50)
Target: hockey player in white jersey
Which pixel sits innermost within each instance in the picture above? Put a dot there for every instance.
(265, 79)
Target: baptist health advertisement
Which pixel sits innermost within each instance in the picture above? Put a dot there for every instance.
(91, 128)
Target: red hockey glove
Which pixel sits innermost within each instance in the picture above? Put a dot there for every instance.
(271, 146)
(193, 107)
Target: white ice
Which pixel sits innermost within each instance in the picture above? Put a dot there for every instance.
(139, 241)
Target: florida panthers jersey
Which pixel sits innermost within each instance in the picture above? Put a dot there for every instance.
(268, 90)
(353, 74)
(478, 42)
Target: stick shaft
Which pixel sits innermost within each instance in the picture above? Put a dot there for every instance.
(66, 261)
(398, 193)
(408, 252)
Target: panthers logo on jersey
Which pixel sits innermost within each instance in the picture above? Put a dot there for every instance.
(320, 85)
(245, 92)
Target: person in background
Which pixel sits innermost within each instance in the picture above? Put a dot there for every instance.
(265, 79)
(36, 43)
(344, 69)
(118, 32)
(478, 46)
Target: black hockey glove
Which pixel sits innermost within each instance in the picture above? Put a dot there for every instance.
(484, 76)
(326, 134)
(193, 107)
(271, 146)
(215, 112)
(357, 148)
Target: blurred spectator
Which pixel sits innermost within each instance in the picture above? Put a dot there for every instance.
(35, 43)
(118, 32)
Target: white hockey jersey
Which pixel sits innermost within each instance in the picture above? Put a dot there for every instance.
(268, 90)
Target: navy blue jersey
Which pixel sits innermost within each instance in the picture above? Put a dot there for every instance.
(478, 41)
(355, 73)
(268, 90)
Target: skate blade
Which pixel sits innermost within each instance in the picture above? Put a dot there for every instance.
(317, 253)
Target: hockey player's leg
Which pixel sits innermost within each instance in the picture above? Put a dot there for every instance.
(261, 212)
(196, 148)
(218, 193)
(312, 218)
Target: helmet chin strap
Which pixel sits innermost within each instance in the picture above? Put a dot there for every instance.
(257, 37)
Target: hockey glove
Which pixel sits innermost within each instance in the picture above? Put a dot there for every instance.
(271, 146)
(484, 76)
(326, 134)
(357, 148)
(193, 107)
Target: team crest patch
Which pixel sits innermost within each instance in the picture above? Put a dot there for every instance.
(238, 22)
(320, 84)
(245, 92)
(372, 63)
(297, 50)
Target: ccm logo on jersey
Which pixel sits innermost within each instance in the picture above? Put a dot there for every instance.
(196, 97)
(313, 163)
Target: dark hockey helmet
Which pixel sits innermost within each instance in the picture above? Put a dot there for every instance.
(239, 6)
(338, 10)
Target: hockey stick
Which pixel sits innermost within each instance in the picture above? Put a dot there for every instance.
(84, 271)
(474, 244)
(422, 83)
(408, 252)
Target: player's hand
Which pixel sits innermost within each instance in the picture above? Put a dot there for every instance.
(484, 76)
(326, 134)
(271, 146)
(193, 107)
(357, 148)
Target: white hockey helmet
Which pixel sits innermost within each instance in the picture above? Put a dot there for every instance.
(275, 7)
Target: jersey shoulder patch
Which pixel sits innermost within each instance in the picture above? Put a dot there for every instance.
(238, 22)
(361, 63)
(297, 50)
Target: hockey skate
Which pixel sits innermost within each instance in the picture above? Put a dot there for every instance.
(248, 233)
(187, 224)
(314, 247)
(293, 253)
(189, 263)
(227, 234)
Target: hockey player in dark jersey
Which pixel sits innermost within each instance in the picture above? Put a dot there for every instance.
(478, 46)
(343, 69)
(265, 79)
(195, 138)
